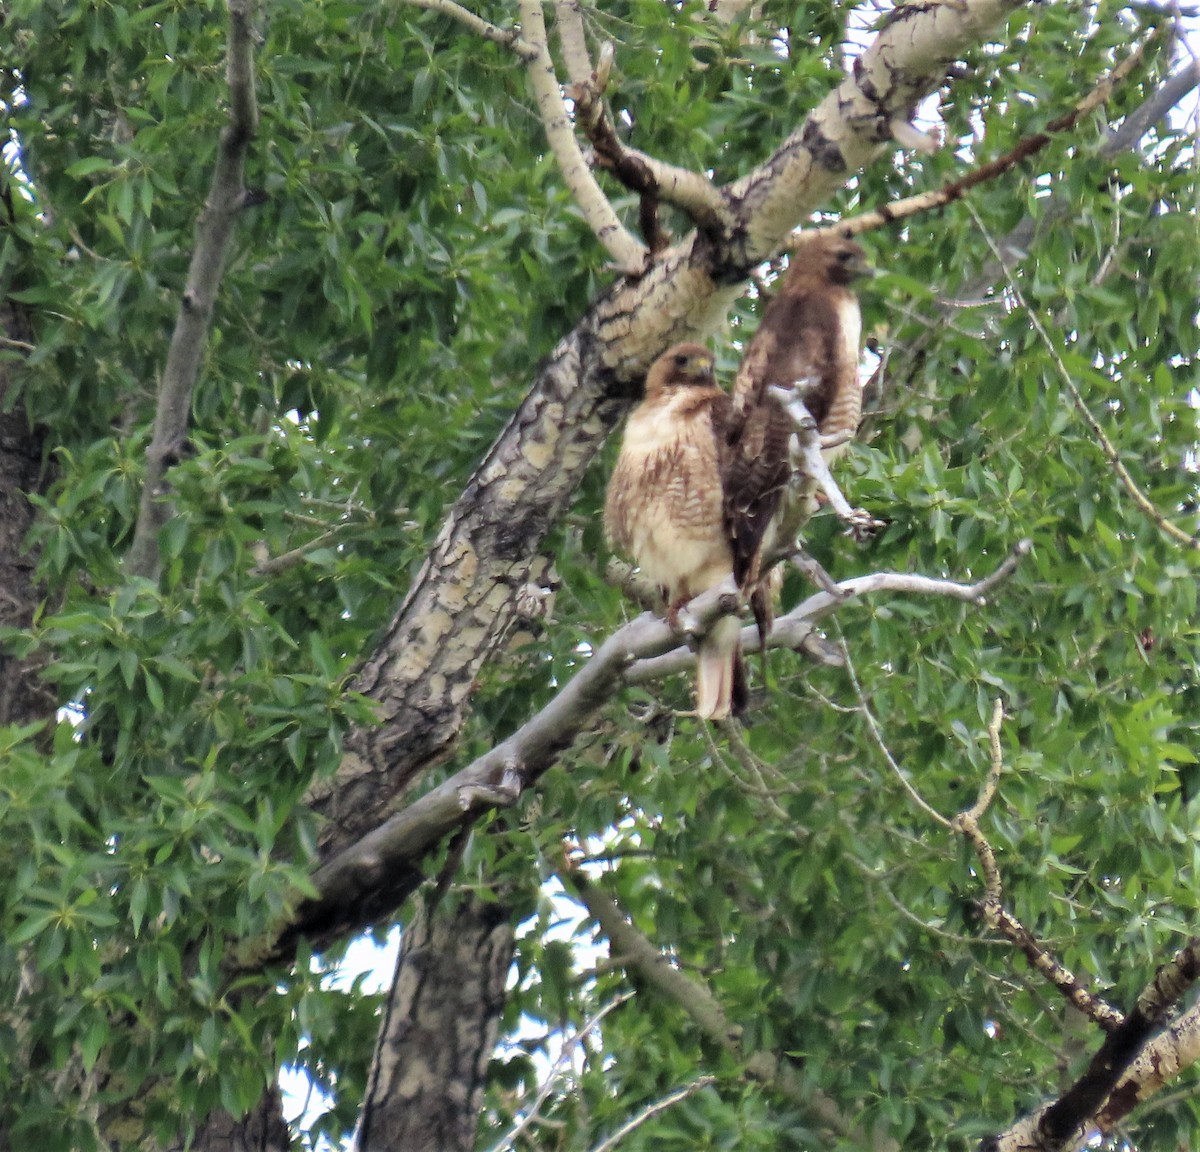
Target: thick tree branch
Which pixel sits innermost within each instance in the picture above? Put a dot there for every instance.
(1160, 1061)
(855, 122)
(466, 595)
(1064, 1122)
(626, 250)
(226, 199)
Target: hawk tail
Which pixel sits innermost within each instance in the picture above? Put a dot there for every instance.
(720, 671)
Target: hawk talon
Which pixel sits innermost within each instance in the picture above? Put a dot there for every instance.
(861, 525)
(836, 439)
(683, 622)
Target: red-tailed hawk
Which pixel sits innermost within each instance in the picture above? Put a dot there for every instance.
(707, 486)
(807, 344)
(666, 507)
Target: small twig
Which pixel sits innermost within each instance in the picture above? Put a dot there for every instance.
(758, 791)
(871, 876)
(554, 1076)
(881, 744)
(286, 560)
(20, 345)
(652, 1110)
(641, 956)
(1106, 445)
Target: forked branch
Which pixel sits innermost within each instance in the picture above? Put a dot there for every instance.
(626, 250)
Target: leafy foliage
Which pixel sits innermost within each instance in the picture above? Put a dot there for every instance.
(415, 253)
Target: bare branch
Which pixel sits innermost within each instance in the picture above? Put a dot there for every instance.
(881, 744)
(1106, 445)
(793, 629)
(374, 874)
(226, 199)
(557, 1071)
(966, 824)
(628, 252)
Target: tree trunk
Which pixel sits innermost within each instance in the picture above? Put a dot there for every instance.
(439, 1028)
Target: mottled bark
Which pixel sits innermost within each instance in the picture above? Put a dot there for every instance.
(439, 1028)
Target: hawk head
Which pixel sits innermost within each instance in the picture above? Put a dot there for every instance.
(684, 364)
(842, 260)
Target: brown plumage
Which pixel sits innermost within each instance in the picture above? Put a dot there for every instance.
(665, 507)
(808, 339)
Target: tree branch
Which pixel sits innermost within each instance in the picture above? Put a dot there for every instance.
(795, 627)
(956, 189)
(1160, 1061)
(466, 595)
(966, 824)
(628, 252)
(1065, 1121)
(510, 38)
(651, 1110)
(650, 178)
(226, 199)
(373, 875)
(637, 954)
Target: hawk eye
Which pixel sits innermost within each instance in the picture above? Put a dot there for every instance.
(681, 360)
